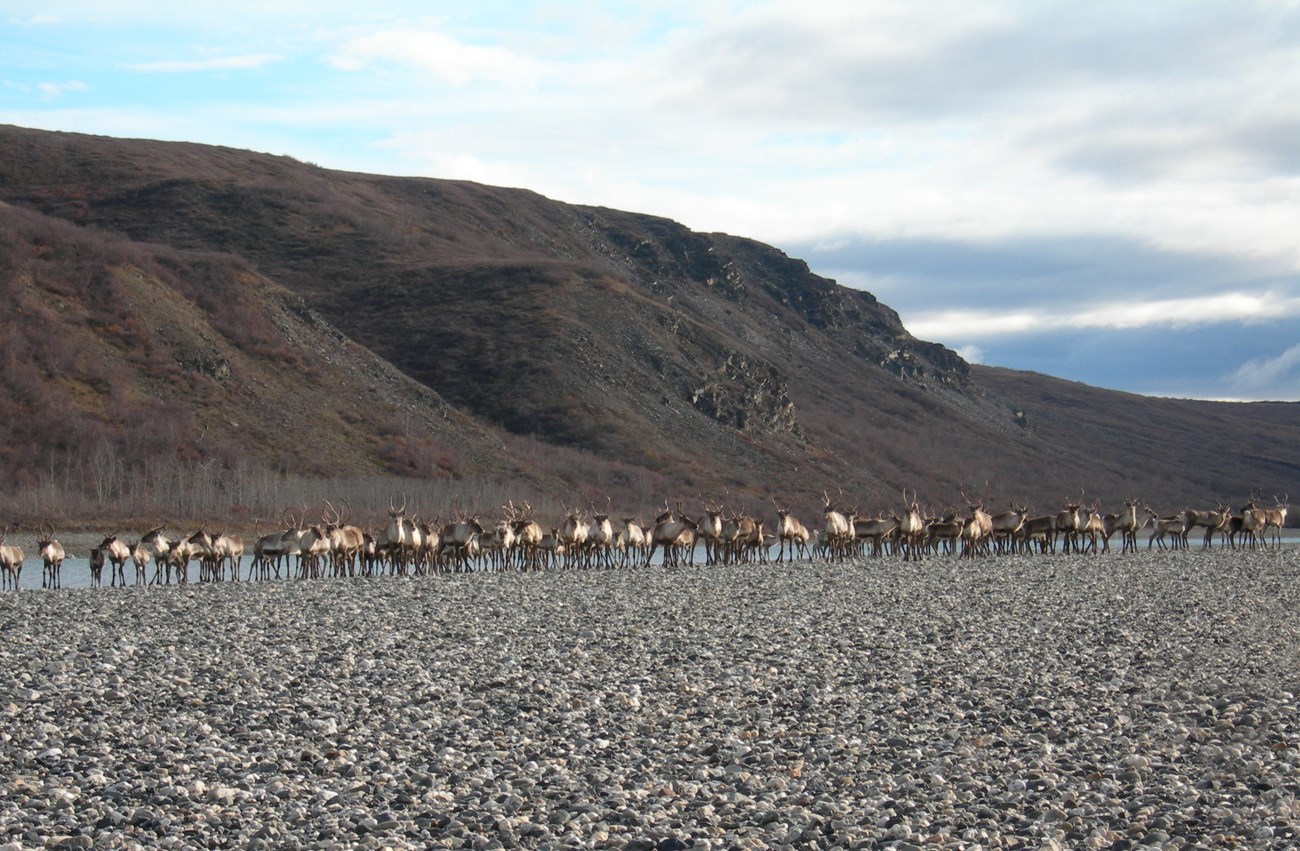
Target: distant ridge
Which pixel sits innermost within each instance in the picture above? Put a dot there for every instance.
(428, 327)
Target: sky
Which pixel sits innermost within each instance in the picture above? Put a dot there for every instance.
(1108, 192)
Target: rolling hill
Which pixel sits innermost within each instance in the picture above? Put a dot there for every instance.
(229, 307)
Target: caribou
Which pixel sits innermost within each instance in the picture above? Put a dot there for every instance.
(911, 529)
(790, 533)
(503, 542)
(1004, 527)
(1252, 521)
(394, 541)
(52, 555)
(838, 528)
(1174, 526)
(422, 545)
(1275, 518)
(550, 550)
(11, 564)
(1040, 531)
(228, 549)
(291, 543)
(370, 561)
(199, 548)
(981, 523)
(346, 541)
(96, 560)
(637, 539)
(684, 544)
(313, 549)
(728, 535)
(711, 529)
(1128, 525)
(529, 535)
(140, 557)
(117, 554)
(272, 549)
(459, 539)
(212, 553)
(178, 559)
(673, 532)
(1210, 521)
(600, 538)
(518, 541)
(748, 541)
(942, 534)
(574, 532)
(1092, 526)
(158, 547)
(876, 530)
(1068, 521)
(760, 542)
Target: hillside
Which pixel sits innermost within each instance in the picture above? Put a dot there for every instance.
(1170, 450)
(695, 363)
(122, 354)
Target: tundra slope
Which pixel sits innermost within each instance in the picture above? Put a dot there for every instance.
(708, 359)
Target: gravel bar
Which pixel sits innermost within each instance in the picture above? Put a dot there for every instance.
(1117, 702)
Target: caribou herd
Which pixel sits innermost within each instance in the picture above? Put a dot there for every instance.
(514, 539)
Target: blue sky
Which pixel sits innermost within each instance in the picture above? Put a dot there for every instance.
(1108, 192)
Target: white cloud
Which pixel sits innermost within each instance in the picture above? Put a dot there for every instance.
(971, 354)
(1277, 377)
(216, 63)
(54, 90)
(37, 21)
(962, 326)
(970, 121)
(435, 53)
(453, 165)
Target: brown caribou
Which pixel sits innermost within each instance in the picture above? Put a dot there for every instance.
(11, 563)
(117, 553)
(1275, 518)
(911, 529)
(52, 555)
(790, 533)
(672, 532)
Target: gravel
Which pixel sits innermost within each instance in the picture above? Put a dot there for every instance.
(1048, 702)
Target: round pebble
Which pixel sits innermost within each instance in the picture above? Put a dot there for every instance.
(1044, 702)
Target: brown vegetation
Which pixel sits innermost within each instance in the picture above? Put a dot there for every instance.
(179, 309)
